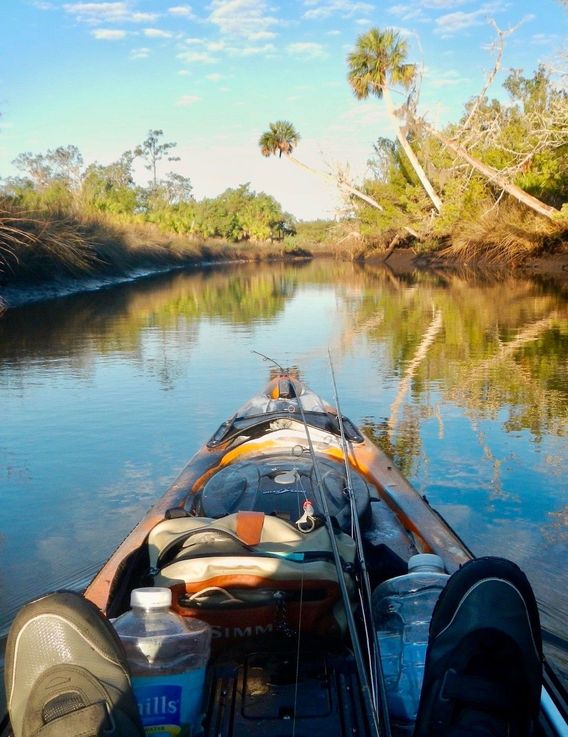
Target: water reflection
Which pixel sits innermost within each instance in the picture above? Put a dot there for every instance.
(105, 395)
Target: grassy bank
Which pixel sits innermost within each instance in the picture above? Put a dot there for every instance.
(38, 247)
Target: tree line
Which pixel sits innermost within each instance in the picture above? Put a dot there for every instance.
(493, 183)
(58, 182)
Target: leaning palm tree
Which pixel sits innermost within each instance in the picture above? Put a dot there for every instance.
(377, 63)
(281, 138)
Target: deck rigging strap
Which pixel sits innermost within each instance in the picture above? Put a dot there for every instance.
(378, 728)
(377, 677)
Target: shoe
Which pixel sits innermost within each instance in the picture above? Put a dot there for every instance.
(483, 672)
(66, 672)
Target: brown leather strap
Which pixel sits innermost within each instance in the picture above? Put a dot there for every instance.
(249, 527)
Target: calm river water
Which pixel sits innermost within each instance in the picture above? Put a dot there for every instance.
(105, 395)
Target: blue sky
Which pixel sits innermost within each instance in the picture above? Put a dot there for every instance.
(212, 75)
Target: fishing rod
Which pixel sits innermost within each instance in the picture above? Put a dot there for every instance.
(270, 360)
(373, 649)
(378, 728)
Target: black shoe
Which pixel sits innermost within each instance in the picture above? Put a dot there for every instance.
(483, 673)
(66, 672)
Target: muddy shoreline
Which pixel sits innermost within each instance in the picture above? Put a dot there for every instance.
(550, 264)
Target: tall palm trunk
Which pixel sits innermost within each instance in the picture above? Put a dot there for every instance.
(420, 173)
(495, 176)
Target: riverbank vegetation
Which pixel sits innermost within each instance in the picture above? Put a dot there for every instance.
(62, 218)
(492, 186)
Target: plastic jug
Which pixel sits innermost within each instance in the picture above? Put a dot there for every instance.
(168, 656)
(402, 610)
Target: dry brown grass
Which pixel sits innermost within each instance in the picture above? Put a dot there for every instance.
(38, 247)
(504, 236)
(30, 242)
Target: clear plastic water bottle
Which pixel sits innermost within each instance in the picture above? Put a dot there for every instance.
(168, 656)
(402, 610)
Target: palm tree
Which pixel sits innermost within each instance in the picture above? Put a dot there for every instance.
(377, 63)
(282, 138)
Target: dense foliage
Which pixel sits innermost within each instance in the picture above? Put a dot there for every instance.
(523, 140)
(58, 183)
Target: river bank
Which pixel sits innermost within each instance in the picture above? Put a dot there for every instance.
(402, 261)
(549, 264)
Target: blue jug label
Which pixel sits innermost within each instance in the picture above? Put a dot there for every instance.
(170, 705)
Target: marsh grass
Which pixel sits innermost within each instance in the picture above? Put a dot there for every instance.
(37, 246)
(30, 243)
(505, 236)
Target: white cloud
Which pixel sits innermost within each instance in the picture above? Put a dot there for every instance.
(43, 5)
(108, 34)
(187, 100)
(253, 50)
(197, 57)
(245, 18)
(308, 50)
(545, 39)
(95, 13)
(344, 8)
(157, 33)
(181, 10)
(261, 36)
(443, 3)
(446, 78)
(214, 77)
(451, 23)
(404, 12)
(141, 53)
(204, 43)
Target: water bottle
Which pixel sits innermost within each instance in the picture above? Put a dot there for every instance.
(168, 657)
(402, 610)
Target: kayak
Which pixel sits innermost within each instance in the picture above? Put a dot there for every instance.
(276, 533)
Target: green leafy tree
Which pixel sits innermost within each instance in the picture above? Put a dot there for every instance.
(111, 188)
(378, 63)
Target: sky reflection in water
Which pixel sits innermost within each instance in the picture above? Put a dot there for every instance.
(105, 395)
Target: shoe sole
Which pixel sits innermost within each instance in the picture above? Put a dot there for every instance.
(488, 603)
(58, 630)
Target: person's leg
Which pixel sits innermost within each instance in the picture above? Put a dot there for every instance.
(483, 673)
(66, 672)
